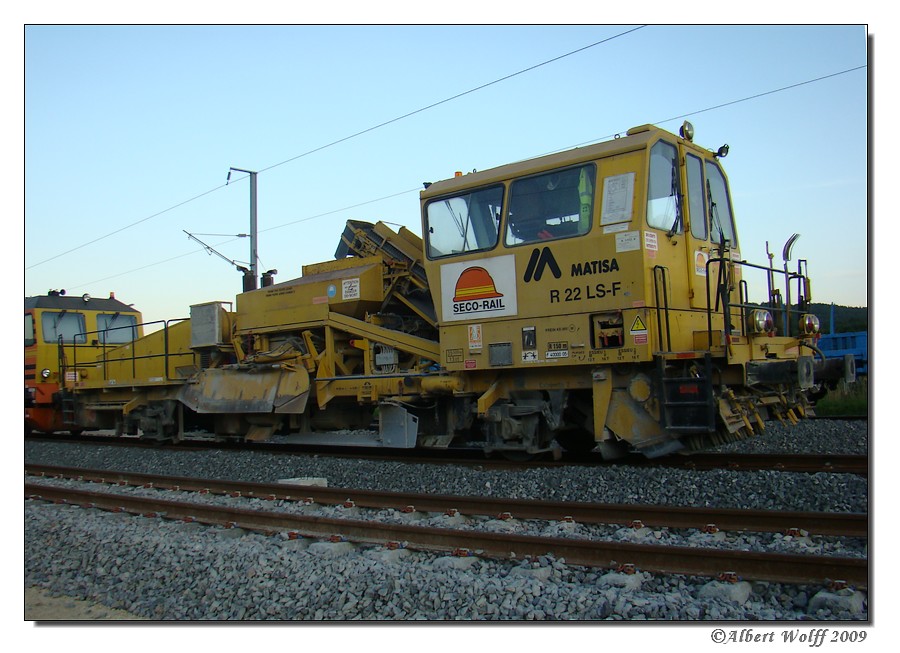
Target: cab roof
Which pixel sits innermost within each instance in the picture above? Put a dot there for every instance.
(77, 303)
(636, 138)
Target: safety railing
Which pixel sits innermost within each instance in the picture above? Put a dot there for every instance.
(108, 350)
(780, 309)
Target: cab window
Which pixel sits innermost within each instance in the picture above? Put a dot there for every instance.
(696, 196)
(463, 223)
(116, 329)
(63, 324)
(721, 226)
(663, 191)
(558, 204)
(29, 330)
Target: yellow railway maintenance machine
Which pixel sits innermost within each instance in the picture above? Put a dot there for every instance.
(597, 297)
(593, 299)
(64, 336)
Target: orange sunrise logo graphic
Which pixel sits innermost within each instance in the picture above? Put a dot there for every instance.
(475, 283)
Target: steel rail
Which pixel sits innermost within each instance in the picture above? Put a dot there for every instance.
(809, 463)
(774, 567)
(821, 523)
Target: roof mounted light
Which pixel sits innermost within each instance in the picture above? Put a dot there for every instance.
(85, 298)
(722, 151)
(687, 131)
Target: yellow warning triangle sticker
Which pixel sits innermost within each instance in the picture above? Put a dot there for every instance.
(638, 324)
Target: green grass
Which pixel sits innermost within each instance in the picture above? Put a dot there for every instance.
(852, 401)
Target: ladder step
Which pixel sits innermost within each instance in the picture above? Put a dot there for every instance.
(694, 414)
(68, 409)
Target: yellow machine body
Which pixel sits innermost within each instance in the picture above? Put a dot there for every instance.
(592, 299)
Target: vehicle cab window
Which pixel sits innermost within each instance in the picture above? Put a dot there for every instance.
(29, 330)
(116, 329)
(696, 197)
(463, 223)
(721, 224)
(554, 205)
(65, 325)
(664, 189)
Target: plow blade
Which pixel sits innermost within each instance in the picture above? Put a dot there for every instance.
(255, 390)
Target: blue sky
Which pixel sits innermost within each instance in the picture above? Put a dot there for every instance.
(130, 131)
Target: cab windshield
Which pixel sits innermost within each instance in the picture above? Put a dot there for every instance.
(553, 205)
(116, 329)
(463, 223)
(63, 325)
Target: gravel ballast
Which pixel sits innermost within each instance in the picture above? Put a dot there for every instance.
(164, 570)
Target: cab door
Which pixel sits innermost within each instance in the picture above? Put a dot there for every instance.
(697, 232)
(710, 231)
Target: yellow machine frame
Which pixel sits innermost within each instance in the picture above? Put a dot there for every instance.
(594, 298)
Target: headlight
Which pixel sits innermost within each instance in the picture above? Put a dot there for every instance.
(760, 321)
(45, 373)
(809, 324)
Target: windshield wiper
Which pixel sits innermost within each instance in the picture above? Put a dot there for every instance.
(715, 224)
(676, 226)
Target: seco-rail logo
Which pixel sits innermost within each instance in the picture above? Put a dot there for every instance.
(483, 290)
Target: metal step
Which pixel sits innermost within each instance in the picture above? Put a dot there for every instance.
(683, 415)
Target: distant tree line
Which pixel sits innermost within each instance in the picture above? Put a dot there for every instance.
(846, 318)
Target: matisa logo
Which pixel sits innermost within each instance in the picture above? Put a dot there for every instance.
(595, 267)
(541, 259)
(479, 291)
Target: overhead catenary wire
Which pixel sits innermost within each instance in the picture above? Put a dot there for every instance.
(128, 226)
(230, 240)
(346, 208)
(344, 139)
(459, 95)
(719, 106)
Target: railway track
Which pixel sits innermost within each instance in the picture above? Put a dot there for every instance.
(807, 463)
(821, 523)
(702, 561)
